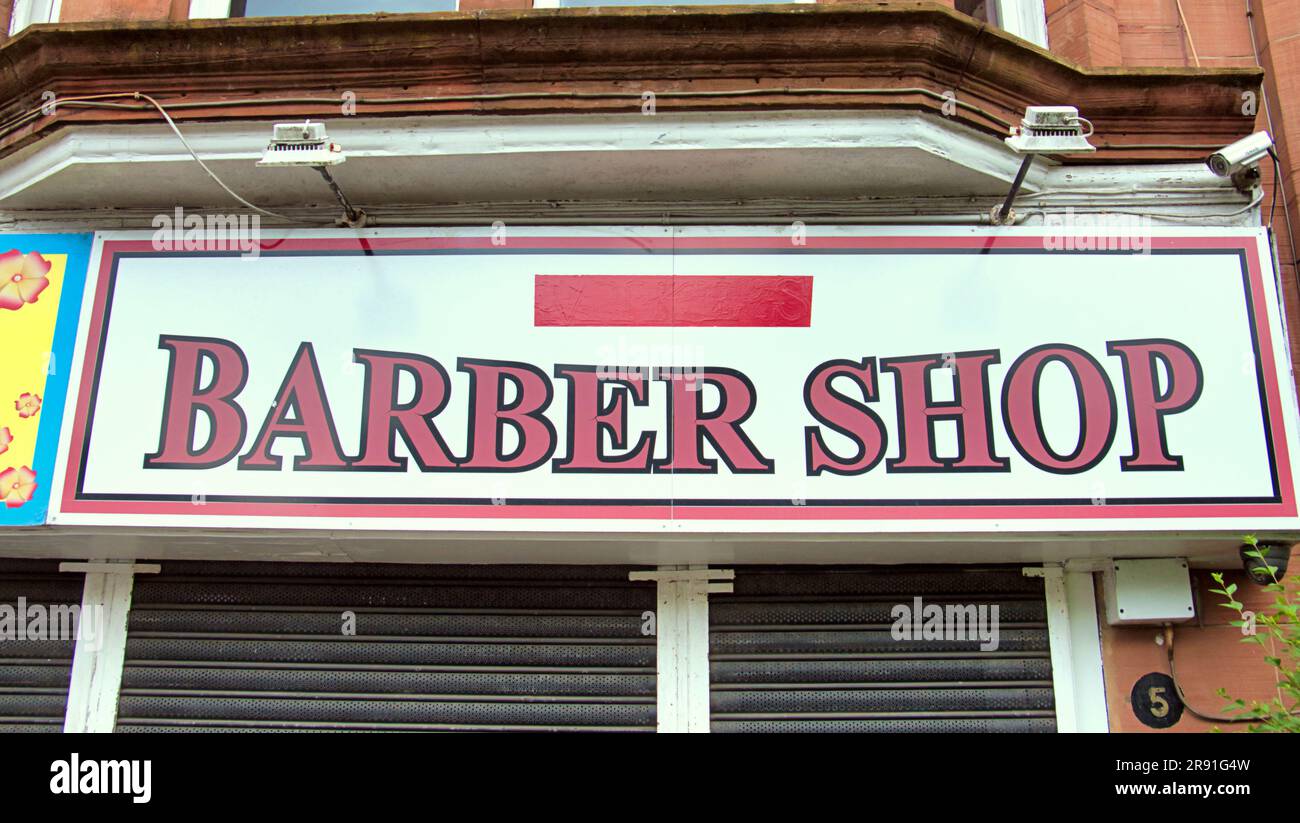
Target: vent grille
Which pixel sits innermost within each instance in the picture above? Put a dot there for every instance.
(34, 674)
(260, 646)
(810, 650)
(1053, 131)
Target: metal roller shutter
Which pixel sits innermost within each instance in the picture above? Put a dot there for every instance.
(804, 649)
(259, 646)
(34, 674)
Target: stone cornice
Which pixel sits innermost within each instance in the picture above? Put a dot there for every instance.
(900, 55)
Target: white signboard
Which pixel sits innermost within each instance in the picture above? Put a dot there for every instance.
(647, 379)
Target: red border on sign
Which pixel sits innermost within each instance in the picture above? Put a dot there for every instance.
(685, 510)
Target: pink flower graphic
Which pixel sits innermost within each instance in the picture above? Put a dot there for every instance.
(5, 439)
(27, 404)
(17, 486)
(22, 278)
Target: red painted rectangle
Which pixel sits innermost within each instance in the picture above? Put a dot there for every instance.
(760, 301)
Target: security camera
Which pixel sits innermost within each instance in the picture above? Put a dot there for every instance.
(1241, 155)
(1275, 555)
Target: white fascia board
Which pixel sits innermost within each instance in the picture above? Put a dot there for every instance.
(1186, 190)
(1077, 553)
(478, 136)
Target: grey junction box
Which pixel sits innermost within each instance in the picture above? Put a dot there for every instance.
(1157, 591)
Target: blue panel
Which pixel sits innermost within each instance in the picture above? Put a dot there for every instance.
(77, 248)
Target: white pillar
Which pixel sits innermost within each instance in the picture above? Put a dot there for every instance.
(101, 643)
(1085, 640)
(1075, 640)
(682, 643)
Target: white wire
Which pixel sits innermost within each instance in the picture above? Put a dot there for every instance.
(1259, 198)
(211, 173)
(1124, 190)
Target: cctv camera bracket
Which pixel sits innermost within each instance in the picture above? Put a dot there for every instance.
(1246, 180)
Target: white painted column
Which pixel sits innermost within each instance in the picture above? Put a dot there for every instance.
(682, 643)
(1075, 641)
(101, 643)
(1085, 640)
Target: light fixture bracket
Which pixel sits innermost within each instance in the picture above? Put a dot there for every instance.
(1043, 130)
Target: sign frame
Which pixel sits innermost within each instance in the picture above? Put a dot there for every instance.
(1275, 515)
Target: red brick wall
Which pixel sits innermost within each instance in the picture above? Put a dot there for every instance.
(1085, 31)
(1142, 33)
(480, 5)
(1208, 655)
(83, 10)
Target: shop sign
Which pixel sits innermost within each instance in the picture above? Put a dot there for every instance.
(699, 380)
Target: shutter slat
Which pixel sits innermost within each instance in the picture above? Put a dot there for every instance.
(255, 646)
(811, 649)
(34, 674)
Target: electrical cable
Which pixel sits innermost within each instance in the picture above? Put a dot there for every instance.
(1277, 175)
(1268, 118)
(94, 101)
(1173, 675)
(1255, 201)
(100, 100)
(1187, 32)
(210, 172)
